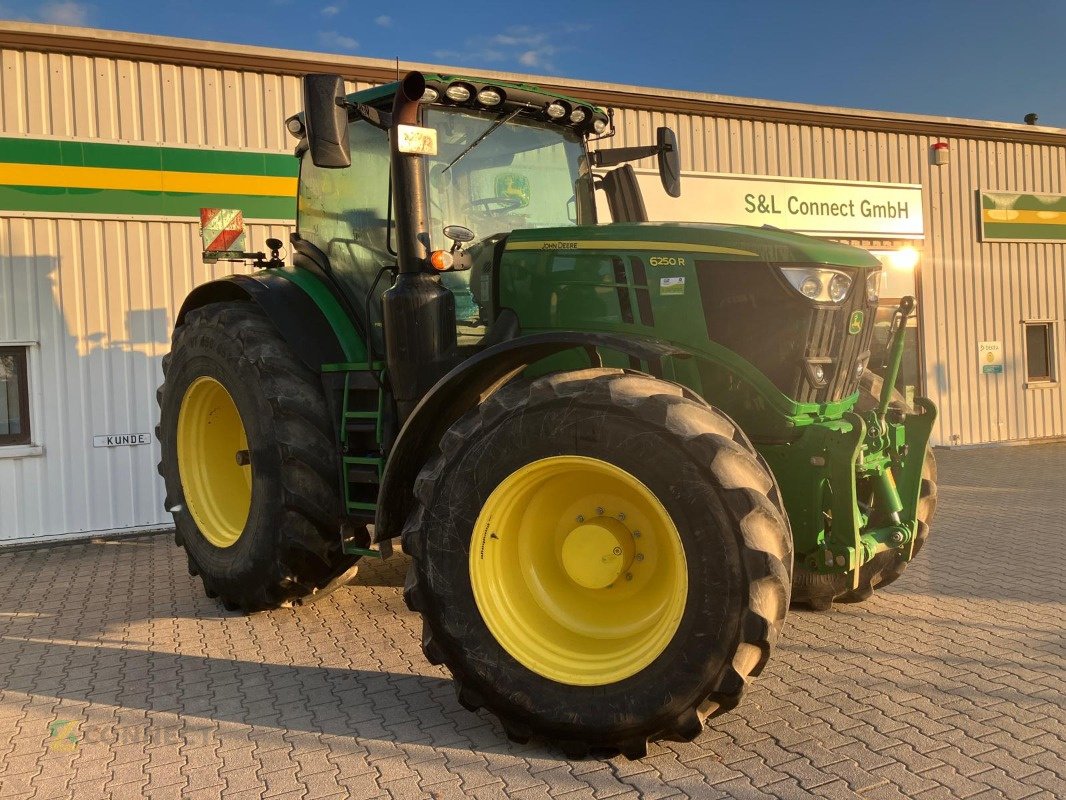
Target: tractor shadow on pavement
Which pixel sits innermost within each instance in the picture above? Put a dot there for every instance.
(367, 706)
(136, 633)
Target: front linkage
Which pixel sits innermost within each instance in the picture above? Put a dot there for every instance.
(852, 485)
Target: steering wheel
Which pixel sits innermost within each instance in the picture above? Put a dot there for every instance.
(496, 205)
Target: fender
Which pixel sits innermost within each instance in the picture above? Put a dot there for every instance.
(296, 315)
(466, 386)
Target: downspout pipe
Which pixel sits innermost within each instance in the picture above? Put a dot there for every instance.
(417, 312)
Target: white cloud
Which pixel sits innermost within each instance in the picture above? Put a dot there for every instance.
(530, 58)
(337, 41)
(385, 21)
(54, 13)
(331, 11)
(66, 13)
(520, 44)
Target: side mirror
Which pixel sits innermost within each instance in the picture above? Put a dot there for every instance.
(326, 121)
(669, 161)
(458, 233)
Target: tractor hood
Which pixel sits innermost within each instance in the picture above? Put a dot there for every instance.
(719, 292)
(733, 242)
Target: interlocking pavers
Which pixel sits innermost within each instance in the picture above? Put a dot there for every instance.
(947, 684)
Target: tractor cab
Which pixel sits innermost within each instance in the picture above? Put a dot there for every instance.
(506, 157)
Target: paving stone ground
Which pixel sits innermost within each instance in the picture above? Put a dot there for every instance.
(118, 678)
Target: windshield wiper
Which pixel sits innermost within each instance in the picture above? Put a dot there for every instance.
(500, 120)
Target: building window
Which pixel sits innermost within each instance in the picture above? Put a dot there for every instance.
(14, 397)
(1039, 352)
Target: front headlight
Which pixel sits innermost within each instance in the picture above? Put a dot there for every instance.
(874, 281)
(819, 284)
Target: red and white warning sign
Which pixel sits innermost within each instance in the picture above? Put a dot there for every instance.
(222, 232)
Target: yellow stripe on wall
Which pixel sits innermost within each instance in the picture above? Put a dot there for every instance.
(562, 245)
(145, 180)
(1001, 216)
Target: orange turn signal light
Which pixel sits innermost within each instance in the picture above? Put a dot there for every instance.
(441, 260)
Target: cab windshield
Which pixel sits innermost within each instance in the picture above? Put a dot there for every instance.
(521, 174)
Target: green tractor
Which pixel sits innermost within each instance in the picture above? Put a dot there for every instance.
(614, 453)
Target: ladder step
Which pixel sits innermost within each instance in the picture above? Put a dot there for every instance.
(380, 550)
(375, 460)
(354, 367)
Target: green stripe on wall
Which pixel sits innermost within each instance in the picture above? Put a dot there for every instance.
(142, 157)
(161, 204)
(1020, 231)
(129, 156)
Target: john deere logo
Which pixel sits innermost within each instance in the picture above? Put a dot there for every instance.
(855, 323)
(515, 187)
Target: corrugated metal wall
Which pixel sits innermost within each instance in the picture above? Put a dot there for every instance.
(99, 295)
(114, 100)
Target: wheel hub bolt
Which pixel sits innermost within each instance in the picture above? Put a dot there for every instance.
(580, 518)
(621, 516)
(599, 511)
(617, 551)
(636, 534)
(639, 557)
(629, 576)
(897, 537)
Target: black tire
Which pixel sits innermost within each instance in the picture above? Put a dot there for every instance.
(290, 548)
(820, 591)
(724, 502)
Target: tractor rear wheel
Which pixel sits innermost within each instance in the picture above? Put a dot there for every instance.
(600, 559)
(248, 462)
(821, 591)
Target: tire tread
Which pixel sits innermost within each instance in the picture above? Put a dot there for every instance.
(310, 558)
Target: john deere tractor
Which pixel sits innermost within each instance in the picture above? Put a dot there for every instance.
(614, 452)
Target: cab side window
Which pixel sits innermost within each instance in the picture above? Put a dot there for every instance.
(344, 212)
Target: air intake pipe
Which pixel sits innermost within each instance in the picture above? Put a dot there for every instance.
(418, 313)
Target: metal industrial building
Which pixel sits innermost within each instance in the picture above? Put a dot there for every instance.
(111, 142)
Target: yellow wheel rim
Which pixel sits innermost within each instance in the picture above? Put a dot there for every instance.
(213, 461)
(578, 570)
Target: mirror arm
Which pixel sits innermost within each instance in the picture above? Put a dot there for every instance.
(379, 119)
(613, 156)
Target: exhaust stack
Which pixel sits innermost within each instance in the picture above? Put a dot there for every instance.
(418, 313)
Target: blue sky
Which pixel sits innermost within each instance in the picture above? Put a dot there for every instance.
(986, 60)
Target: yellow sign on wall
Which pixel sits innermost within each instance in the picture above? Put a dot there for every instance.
(1012, 217)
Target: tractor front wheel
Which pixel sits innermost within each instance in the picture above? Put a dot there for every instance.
(248, 462)
(600, 559)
